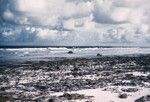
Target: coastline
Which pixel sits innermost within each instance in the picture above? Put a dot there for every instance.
(42, 80)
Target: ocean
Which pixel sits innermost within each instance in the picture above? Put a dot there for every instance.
(35, 53)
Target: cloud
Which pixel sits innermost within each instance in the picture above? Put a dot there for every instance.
(108, 11)
(34, 11)
(74, 22)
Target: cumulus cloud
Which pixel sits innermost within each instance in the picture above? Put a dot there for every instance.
(74, 22)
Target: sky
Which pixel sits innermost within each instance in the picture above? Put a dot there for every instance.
(75, 22)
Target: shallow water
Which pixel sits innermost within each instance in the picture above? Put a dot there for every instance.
(36, 54)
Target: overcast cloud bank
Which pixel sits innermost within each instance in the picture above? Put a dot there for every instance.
(75, 22)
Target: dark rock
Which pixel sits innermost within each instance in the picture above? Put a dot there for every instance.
(123, 95)
(129, 76)
(67, 96)
(105, 74)
(72, 96)
(130, 90)
(70, 52)
(3, 79)
(41, 87)
(51, 100)
(6, 99)
(132, 83)
(143, 99)
(2, 89)
(99, 55)
(148, 77)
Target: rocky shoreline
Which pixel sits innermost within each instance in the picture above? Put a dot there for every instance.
(38, 81)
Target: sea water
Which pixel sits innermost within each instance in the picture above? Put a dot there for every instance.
(53, 53)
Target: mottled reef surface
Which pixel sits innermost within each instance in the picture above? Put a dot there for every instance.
(40, 81)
